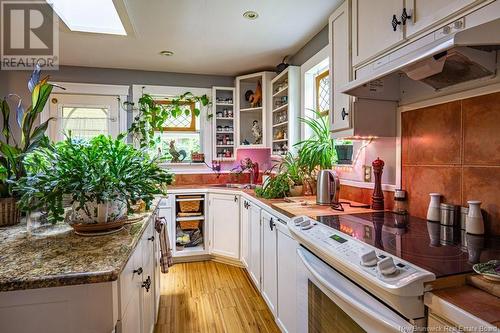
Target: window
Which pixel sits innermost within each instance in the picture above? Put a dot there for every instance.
(84, 122)
(322, 92)
(183, 132)
(86, 116)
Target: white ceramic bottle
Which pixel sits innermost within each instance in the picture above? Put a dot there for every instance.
(474, 223)
(434, 211)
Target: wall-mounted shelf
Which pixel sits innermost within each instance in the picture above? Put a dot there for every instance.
(248, 114)
(224, 124)
(285, 129)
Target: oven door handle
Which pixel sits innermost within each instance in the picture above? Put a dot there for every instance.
(341, 290)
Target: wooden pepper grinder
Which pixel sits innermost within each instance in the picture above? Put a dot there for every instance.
(378, 195)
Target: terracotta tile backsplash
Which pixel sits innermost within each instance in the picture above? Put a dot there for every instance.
(454, 149)
(432, 135)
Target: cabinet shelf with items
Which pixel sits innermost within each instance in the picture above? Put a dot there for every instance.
(253, 104)
(224, 137)
(190, 228)
(284, 130)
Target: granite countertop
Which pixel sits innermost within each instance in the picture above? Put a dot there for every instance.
(54, 255)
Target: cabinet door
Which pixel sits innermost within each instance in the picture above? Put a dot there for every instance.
(255, 243)
(225, 225)
(148, 301)
(287, 282)
(245, 232)
(340, 67)
(372, 31)
(269, 261)
(425, 13)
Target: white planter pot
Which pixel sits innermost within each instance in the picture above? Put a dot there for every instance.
(99, 213)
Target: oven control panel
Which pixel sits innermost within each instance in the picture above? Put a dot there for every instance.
(389, 270)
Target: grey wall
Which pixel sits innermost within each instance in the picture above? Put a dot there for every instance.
(16, 81)
(318, 42)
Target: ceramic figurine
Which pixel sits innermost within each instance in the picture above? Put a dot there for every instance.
(257, 132)
(254, 98)
(176, 154)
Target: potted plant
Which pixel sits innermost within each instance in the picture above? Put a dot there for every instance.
(290, 165)
(317, 152)
(103, 176)
(276, 187)
(13, 150)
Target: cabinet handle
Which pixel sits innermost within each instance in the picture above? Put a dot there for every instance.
(271, 224)
(405, 16)
(147, 284)
(344, 114)
(395, 22)
(138, 271)
(152, 238)
(235, 198)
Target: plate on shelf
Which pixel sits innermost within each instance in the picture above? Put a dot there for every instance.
(489, 270)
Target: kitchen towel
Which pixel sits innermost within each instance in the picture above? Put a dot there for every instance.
(166, 251)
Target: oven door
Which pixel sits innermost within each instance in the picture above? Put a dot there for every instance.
(329, 302)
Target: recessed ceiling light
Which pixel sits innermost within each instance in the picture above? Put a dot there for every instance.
(166, 53)
(250, 15)
(97, 16)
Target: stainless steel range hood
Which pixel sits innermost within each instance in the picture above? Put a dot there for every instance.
(465, 56)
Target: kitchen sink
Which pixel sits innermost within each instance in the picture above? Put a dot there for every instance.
(234, 185)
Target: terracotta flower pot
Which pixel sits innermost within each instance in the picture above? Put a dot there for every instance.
(296, 191)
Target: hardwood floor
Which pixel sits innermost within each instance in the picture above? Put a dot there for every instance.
(211, 297)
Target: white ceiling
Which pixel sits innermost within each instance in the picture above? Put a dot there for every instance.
(207, 36)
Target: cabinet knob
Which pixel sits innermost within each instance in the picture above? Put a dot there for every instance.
(138, 271)
(152, 238)
(395, 22)
(344, 114)
(271, 224)
(405, 16)
(147, 284)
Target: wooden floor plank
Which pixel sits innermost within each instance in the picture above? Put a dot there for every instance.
(211, 297)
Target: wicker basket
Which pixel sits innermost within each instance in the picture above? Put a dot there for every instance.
(189, 225)
(9, 213)
(190, 206)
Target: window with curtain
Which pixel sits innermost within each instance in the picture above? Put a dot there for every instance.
(322, 92)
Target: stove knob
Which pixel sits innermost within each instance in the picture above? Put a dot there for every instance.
(386, 266)
(306, 225)
(368, 258)
(298, 221)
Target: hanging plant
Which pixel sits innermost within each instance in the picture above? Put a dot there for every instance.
(152, 115)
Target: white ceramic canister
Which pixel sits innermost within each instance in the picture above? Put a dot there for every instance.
(434, 210)
(474, 223)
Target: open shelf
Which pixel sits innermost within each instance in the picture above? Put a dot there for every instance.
(282, 107)
(226, 117)
(281, 124)
(281, 92)
(190, 218)
(251, 109)
(280, 140)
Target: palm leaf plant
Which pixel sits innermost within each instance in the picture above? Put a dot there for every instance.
(318, 151)
(31, 136)
(100, 170)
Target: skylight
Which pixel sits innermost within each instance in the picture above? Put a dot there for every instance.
(97, 16)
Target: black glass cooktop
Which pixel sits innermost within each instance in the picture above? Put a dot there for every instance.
(439, 249)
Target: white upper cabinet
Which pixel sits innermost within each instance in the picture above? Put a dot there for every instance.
(340, 67)
(225, 225)
(425, 13)
(372, 30)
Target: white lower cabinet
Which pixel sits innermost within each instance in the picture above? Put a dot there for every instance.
(269, 261)
(139, 286)
(245, 232)
(287, 279)
(255, 244)
(224, 211)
